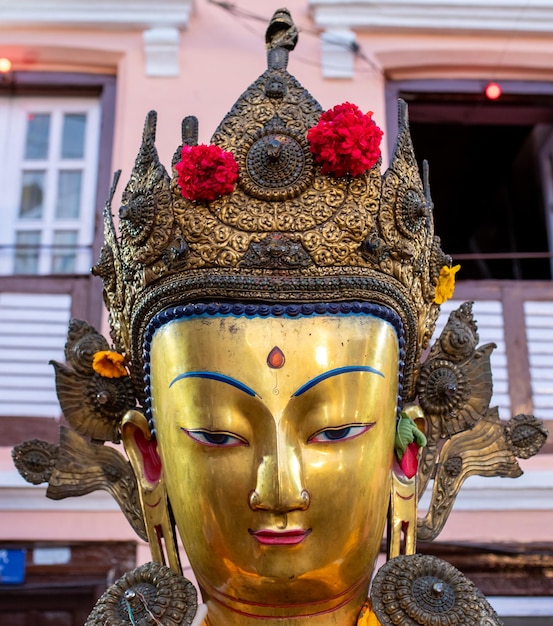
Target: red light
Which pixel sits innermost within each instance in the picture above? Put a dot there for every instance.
(493, 91)
(5, 65)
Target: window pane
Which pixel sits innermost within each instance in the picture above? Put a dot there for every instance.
(27, 248)
(64, 251)
(72, 145)
(32, 195)
(38, 132)
(69, 194)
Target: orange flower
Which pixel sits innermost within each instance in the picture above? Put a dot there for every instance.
(109, 364)
(367, 616)
(446, 283)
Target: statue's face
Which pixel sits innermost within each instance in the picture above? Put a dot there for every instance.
(276, 440)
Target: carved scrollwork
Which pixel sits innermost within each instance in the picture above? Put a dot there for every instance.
(76, 467)
(82, 343)
(455, 382)
(460, 338)
(275, 251)
(92, 404)
(464, 436)
(82, 467)
(482, 450)
(146, 215)
(150, 595)
(422, 589)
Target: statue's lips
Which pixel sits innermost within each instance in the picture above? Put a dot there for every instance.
(279, 537)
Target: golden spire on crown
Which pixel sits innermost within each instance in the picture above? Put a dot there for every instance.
(287, 204)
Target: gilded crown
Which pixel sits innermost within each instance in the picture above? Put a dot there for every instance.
(279, 221)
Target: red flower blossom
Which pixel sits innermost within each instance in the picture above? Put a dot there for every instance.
(345, 141)
(409, 461)
(206, 172)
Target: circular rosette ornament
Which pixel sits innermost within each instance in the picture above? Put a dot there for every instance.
(525, 435)
(443, 387)
(345, 141)
(35, 460)
(421, 589)
(150, 595)
(275, 163)
(206, 172)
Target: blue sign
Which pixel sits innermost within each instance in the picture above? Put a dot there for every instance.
(12, 566)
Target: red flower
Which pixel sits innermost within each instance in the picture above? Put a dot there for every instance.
(345, 141)
(409, 461)
(206, 172)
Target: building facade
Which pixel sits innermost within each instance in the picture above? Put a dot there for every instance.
(78, 81)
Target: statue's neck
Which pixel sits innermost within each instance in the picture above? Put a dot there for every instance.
(344, 614)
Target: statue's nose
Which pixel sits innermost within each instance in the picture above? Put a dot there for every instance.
(279, 486)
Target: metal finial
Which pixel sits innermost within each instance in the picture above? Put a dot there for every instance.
(280, 38)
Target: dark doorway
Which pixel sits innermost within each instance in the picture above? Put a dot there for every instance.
(486, 177)
(63, 594)
(49, 605)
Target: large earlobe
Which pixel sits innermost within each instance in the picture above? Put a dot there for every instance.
(404, 496)
(146, 463)
(402, 515)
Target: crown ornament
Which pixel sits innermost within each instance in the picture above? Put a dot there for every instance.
(285, 233)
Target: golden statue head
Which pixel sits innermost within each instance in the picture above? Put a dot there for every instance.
(269, 304)
(278, 291)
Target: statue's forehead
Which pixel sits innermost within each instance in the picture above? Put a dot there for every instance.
(248, 333)
(266, 351)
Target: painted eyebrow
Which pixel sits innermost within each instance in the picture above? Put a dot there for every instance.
(336, 372)
(228, 380)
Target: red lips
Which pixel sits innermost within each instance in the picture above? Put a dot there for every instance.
(279, 537)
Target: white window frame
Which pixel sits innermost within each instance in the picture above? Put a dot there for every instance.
(14, 112)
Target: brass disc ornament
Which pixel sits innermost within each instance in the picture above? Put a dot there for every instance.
(150, 595)
(276, 162)
(420, 589)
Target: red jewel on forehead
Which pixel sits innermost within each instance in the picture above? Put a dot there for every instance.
(276, 359)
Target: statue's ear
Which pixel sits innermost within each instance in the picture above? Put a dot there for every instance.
(402, 515)
(141, 449)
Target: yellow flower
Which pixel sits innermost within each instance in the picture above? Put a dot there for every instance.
(109, 364)
(446, 283)
(367, 616)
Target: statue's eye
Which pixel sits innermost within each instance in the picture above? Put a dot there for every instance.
(215, 439)
(349, 431)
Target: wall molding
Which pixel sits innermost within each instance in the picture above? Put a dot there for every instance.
(474, 16)
(105, 14)
(160, 21)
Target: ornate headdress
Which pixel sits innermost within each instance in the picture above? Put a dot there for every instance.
(286, 232)
(286, 209)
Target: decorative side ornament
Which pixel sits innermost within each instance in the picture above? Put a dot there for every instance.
(422, 589)
(465, 437)
(150, 595)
